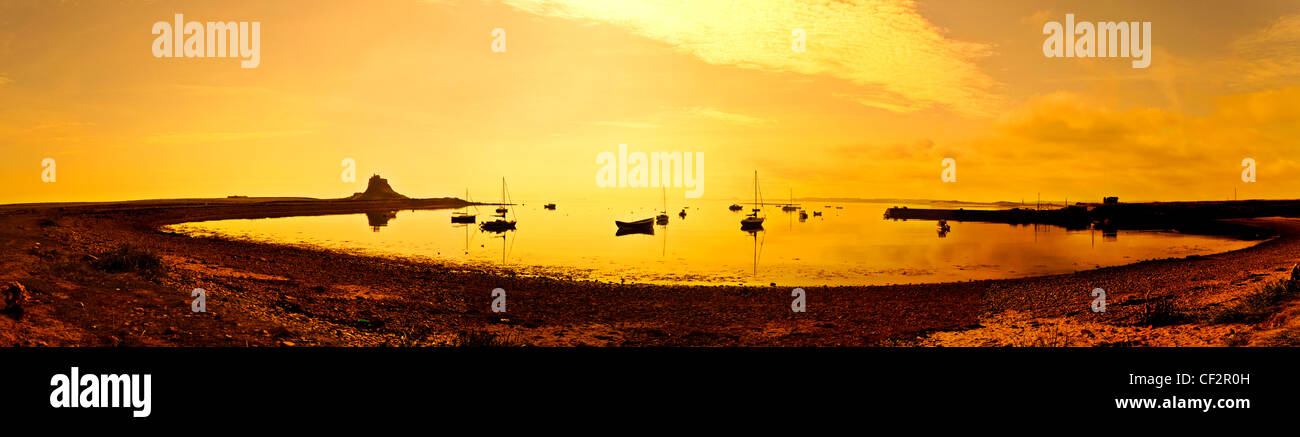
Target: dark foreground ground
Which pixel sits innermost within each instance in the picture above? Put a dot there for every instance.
(84, 289)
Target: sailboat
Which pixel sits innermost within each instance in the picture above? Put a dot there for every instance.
(463, 216)
(662, 218)
(790, 207)
(753, 221)
(500, 224)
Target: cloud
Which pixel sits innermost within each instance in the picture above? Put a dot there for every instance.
(1066, 144)
(897, 59)
(5, 80)
(213, 137)
(1269, 56)
(627, 124)
(1063, 117)
(711, 113)
(1148, 152)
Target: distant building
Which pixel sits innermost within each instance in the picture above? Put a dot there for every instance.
(1110, 200)
(377, 189)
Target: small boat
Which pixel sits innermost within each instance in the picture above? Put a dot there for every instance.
(643, 226)
(550, 206)
(803, 215)
(500, 224)
(735, 207)
(502, 209)
(752, 221)
(636, 224)
(943, 226)
(682, 214)
(790, 207)
(662, 218)
(463, 216)
(817, 213)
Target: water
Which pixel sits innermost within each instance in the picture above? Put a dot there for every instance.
(848, 246)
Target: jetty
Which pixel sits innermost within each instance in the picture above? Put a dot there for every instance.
(1111, 214)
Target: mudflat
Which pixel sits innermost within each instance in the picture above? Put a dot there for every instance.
(275, 295)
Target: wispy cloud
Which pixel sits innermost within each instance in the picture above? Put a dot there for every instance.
(730, 117)
(627, 124)
(5, 80)
(215, 137)
(899, 60)
(1268, 56)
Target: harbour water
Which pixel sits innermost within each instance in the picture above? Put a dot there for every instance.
(848, 244)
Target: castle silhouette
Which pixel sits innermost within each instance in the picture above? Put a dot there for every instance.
(377, 189)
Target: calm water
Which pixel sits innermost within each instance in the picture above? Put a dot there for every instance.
(852, 245)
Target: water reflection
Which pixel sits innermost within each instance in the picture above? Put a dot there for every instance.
(648, 230)
(379, 219)
(758, 246)
(846, 245)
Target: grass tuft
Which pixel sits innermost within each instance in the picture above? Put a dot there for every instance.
(1258, 306)
(129, 258)
(1162, 312)
(482, 338)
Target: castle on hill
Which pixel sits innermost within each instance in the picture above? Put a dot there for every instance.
(377, 189)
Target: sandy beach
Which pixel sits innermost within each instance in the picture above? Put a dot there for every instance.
(273, 295)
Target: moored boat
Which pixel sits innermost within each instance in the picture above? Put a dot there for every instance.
(463, 216)
(643, 226)
(753, 221)
(500, 224)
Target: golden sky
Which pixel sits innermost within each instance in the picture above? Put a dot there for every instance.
(884, 91)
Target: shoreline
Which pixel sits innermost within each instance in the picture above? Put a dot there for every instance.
(273, 295)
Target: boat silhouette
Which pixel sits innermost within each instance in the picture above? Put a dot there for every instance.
(643, 226)
(463, 216)
(753, 221)
(500, 224)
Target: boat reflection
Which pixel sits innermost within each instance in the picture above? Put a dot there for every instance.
(504, 235)
(758, 245)
(634, 231)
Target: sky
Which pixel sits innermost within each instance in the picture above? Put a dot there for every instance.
(883, 92)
